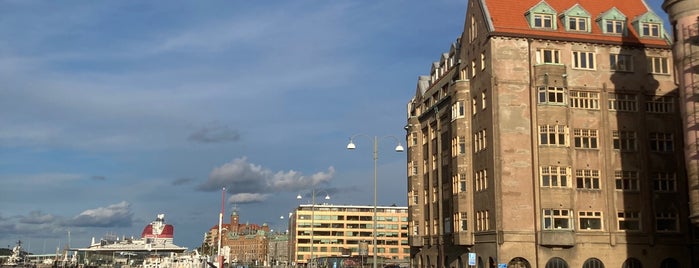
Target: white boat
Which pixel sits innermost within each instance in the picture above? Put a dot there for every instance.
(17, 259)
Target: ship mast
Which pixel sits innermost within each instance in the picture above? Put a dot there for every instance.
(220, 226)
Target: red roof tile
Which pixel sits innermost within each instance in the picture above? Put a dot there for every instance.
(508, 17)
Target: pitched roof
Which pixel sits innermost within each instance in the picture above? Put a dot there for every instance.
(508, 18)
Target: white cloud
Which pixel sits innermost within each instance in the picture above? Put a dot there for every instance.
(116, 215)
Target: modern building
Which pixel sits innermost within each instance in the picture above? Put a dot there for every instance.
(246, 242)
(347, 230)
(278, 249)
(684, 17)
(549, 135)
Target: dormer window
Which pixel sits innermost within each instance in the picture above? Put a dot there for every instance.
(650, 29)
(576, 19)
(543, 21)
(648, 25)
(577, 24)
(614, 27)
(542, 16)
(612, 22)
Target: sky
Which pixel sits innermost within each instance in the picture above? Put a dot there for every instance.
(112, 112)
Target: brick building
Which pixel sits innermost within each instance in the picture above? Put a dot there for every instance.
(247, 242)
(549, 135)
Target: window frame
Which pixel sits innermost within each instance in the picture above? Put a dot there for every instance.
(556, 133)
(585, 138)
(573, 23)
(658, 65)
(588, 179)
(584, 99)
(550, 218)
(622, 102)
(551, 95)
(626, 219)
(626, 181)
(584, 60)
(554, 177)
(621, 62)
(548, 56)
(587, 220)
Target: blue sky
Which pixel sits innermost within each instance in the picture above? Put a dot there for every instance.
(115, 111)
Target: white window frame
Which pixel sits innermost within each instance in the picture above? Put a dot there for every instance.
(624, 141)
(584, 100)
(650, 29)
(627, 220)
(623, 102)
(614, 26)
(584, 60)
(585, 138)
(660, 104)
(626, 180)
(553, 135)
(658, 65)
(587, 179)
(554, 177)
(621, 62)
(590, 220)
(661, 142)
(548, 56)
(557, 219)
(540, 20)
(552, 95)
(578, 24)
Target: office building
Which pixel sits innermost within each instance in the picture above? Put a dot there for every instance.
(347, 231)
(549, 135)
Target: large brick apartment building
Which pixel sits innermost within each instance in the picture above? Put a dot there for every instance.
(549, 135)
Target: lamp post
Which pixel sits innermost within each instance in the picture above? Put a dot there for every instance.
(313, 215)
(399, 148)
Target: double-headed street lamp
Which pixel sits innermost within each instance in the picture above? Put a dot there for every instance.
(313, 215)
(399, 148)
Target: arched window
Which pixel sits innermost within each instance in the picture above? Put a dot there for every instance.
(556, 262)
(670, 263)
(480, 262)
(632, 263)
(593, 263)
(518, 262)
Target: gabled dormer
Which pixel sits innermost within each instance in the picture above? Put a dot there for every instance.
(542, 16)
(612, 21)
(576, 19)
(649, 25)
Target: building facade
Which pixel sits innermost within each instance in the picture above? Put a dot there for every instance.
(246, 243)
(549, 135)
(684, 17)
(342, 230)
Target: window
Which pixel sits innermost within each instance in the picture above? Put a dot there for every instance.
(556, 219)
(624, 141)
(554, 177)
(482, 220)
(484, 98)
(587, 179)
(464, 221)
(614, 27)
(583, 60)
(666, 221)
(462, 145)
(626, 180)
(650, 29)
(415, 198)
(553, 135)
(474, 105)
(661, 142)
(548, 56)
(629, 220)
(623, 102)
(620, 62)
(462, 182)
(585, 138)
(664, 182)
(593, 263)
(481, 180)
(551, 95)
(413, 138)
(480, 141)
(543, 21)
(632, 263)
(660, 104)
(473, 68)
(458, 110)
(590, 220)
(584, 100)
(482, 61)
(577, 24)
(658, 65)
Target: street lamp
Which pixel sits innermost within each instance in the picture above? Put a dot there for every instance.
(313, 215)
(399, 148)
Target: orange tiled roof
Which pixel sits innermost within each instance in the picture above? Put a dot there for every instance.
(508, 17)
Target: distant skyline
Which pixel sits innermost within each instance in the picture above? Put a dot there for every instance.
(116, 111)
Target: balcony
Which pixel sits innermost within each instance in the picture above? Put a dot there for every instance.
(463, 238)
(557, 238)
(416, 241)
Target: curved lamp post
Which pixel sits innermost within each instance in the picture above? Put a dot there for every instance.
(313, 215)
(399, 148)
